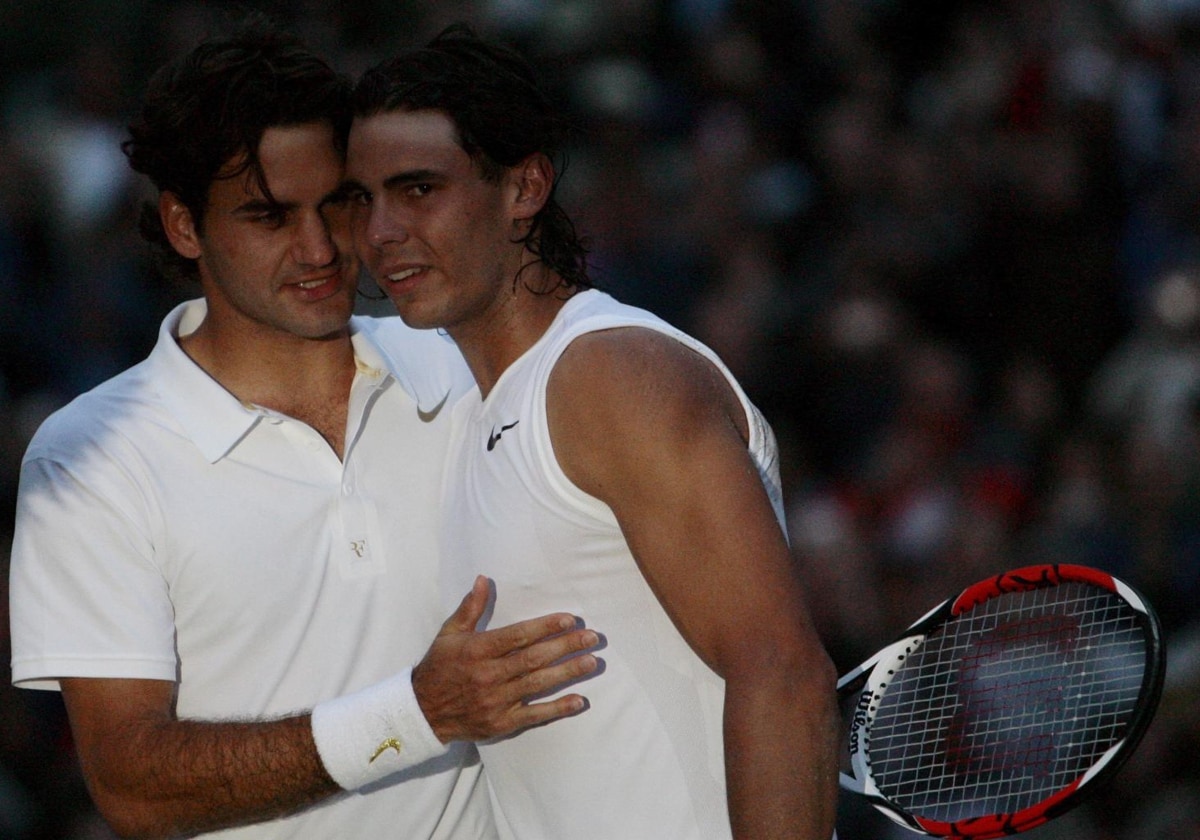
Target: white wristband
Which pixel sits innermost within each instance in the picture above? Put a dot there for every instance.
(373, 733)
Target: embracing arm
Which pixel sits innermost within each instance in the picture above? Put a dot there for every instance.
(153, 775)
(652, 429)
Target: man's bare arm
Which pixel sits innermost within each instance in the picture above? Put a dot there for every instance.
(153, 775)
(653, 429)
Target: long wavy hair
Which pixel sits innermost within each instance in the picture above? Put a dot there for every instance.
(502, 116)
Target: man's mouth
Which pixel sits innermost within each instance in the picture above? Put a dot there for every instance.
(404, 275)
(317, 288)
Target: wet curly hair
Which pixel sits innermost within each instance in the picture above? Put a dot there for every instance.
(501, 114)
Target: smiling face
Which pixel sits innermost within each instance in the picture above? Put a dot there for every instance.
(279, 265)
(436, 236)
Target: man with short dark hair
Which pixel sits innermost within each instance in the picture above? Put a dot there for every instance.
(225, 556)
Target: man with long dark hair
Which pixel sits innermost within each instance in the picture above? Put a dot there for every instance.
(606, 461)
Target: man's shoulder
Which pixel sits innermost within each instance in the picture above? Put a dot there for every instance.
(594, 324)
(127, 404)
(629, 364)
(608, 353)
(123, 406)
(595, 311)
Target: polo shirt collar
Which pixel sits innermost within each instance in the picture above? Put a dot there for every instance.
(368, 356)
(211, 417)
(214, 419)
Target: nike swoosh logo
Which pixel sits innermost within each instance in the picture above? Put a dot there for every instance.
(389, 744)
(430, 415)
(495, 436)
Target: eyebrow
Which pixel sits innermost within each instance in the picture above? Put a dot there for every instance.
(255, 206)
(339, 193)
(413, 176)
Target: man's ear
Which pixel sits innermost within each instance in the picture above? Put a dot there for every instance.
(534, 179)
(179, 225)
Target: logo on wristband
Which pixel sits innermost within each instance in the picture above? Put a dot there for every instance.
(389, 744)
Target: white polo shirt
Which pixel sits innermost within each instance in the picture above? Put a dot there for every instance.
(167, 531)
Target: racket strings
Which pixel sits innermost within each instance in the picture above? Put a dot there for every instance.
(1008, 703)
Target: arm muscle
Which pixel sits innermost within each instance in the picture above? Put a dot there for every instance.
(654, 430)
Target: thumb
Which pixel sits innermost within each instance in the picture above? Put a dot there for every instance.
(472, 607)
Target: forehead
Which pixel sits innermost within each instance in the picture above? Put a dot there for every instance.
(300, 163)
(383, 144)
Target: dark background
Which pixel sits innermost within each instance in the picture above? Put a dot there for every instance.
(951, 248)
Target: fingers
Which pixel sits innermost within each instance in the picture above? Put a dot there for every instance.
(537, 714)
(514, 637)
(465, 698)
(527, 709)
(474, 685)
(537, 657)
(471, 608)
(545, 680)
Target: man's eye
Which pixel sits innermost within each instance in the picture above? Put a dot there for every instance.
(417, 190)
(271, 218)
(360, 198)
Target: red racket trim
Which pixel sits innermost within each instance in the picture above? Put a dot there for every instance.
(997, 825)
(1029, 578)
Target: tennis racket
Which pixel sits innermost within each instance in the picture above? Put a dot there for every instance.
(1000, 708)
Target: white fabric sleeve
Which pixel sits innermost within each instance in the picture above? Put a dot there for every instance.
(380, 730)
(86, 598)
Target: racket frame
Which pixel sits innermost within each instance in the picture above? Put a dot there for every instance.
(871, 678)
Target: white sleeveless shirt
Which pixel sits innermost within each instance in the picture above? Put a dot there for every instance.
(646, 759)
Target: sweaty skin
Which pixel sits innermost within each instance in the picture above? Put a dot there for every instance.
(639, 422)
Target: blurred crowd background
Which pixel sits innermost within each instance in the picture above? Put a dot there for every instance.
(951, 247)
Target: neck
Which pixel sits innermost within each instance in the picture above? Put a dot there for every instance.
(307, 379)
(492, 344)
(271, 371)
